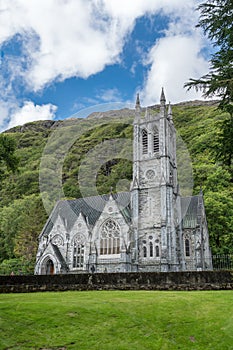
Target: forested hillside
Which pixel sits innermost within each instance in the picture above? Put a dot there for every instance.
(22, 213)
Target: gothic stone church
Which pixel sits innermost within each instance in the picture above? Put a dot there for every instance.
(150, 228)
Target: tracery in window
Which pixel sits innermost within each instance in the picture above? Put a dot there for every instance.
(155, 140)
(110, 238)
(78, 255)
(58, 240)
(144, 141)
(78, 251)
(150, 247)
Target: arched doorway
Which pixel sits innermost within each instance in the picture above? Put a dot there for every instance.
(49, 268)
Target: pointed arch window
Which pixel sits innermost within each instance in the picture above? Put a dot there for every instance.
(150, 247)
(155, 140)
(144, 141)
(144, 252)
(78, 251)
(78, 255)
(110, 238)
(151, 250)
(187, 247)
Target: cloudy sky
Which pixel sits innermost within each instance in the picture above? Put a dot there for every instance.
(58, 57)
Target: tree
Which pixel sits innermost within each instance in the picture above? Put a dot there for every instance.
(216, 21)
(33, 220)
(7, 152)
(219, 210)
(20, 225)
(225, 152)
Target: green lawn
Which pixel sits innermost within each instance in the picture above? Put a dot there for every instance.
(127, 320)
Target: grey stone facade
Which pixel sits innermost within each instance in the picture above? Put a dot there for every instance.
(150, 228)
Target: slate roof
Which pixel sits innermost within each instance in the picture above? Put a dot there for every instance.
(189, 211)
(90, 207)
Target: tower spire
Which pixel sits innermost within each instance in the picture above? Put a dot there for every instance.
(162, 102)
(162, 98)
(137, 109)
(137, 105)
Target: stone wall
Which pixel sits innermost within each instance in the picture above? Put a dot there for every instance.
(203, 280)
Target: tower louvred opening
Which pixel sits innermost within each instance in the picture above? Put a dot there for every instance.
(156, 141)
(144, 141)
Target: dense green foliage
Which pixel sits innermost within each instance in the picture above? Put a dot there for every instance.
(7, 154)
(199, 128)
(216, 21)
(117, 320)
(22, 214)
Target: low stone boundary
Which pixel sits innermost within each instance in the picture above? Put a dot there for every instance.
(201, 280)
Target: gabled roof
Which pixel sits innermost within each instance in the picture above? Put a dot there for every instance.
(90, 207)
(190, 211)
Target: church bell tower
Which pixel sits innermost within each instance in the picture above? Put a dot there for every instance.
(154, 188)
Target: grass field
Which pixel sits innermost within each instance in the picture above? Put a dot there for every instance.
(127, 320)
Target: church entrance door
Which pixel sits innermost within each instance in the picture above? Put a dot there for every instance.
(49, 267)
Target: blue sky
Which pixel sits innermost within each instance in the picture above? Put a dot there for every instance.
(60, 57)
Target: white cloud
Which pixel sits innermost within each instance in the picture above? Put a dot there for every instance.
(110, 95)
(4, 110)
(7, 108)
(132, 9)
(175, 58)
(173, 61)
(75, 37)
(67, 38)
(31, 112)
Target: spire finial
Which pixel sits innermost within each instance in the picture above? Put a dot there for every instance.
(162, 104)
(137, 105)
(137, 110)
(162, 98)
